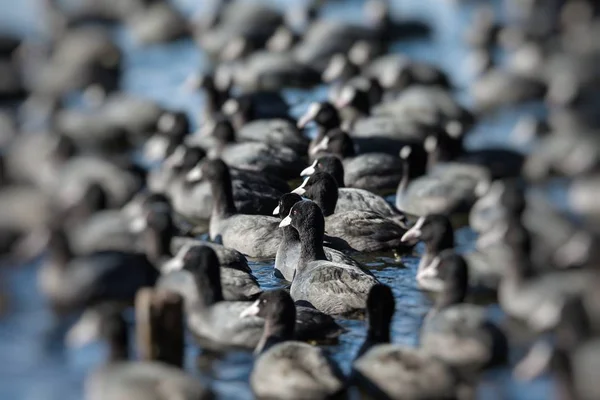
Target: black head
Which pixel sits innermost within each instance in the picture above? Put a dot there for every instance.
(223, 131)
(356, 98)
(63, 149)
(434, 230)
(340, 67)
(442, 146)
(175, 124)
(93, 199)
(324, 114)
(336, 142)
(104, 322)
(158, 232)
(363, 51)
(202, 262)
(283, 39)
(206, 81)
(322, 188)
(305, 216)
(397, 78)
(153, 198)
(159, 220)
(454, 273)
(303, 14)
(330, 164)
(240, 110)
(286, 202)
(341, 144)
(273, 304)
(279, 311)
(155, 201)
(191, 157)
(374, 90)
(236, 49)
(215, 170)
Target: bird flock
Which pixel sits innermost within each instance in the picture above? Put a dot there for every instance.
(128, 204)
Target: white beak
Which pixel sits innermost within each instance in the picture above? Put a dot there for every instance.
(345, 97)
(334, 68)
(285, 222)
(195, 174)
(251, 311)
(430, 144)
(174, 264)
(429, 279)
(155, 148)
(454, 129)
(322, 145)
(276, 211)
(138, 224)
(482, 188)
(85, 331)
(231, 106)
(300, 189)
(310, 114)
(309, 170)
(405, 152)
(176, 158)
(233, 49)
(414, 232)
(166, 122)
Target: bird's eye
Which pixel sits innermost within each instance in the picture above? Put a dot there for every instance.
(319, 165)
(295, 212)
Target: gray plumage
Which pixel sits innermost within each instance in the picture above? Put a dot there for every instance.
(255, 236)
(295, 371)
(396, 372)
(143, 381)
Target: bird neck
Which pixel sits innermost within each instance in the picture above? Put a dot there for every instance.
(222, 190)
(311, 246)
(213, 100)
(376, 334)
(209, 287)
(277, 330)
(290, 235)
(60, 252)
(446, 241)
(338, 175)
(452, 294)
(158, 244)
(405, 177)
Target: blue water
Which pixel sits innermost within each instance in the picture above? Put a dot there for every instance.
(35, 364)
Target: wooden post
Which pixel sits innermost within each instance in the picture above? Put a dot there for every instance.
(160, 326)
